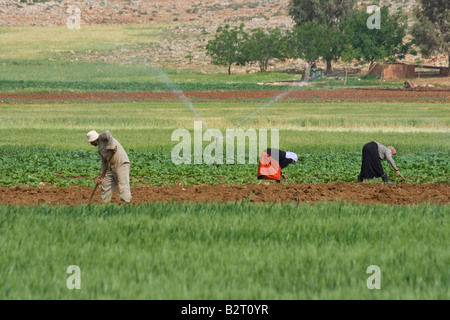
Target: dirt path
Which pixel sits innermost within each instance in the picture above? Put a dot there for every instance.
(299, 193)
(353, 95)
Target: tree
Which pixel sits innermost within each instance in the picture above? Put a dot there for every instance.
(313, 40)
(261, 46)
(227, 46)
(431, 32)
(326, 12)
(377, 44)
(348, 54)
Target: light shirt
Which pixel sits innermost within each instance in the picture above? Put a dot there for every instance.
(386, 153)
(106, 144)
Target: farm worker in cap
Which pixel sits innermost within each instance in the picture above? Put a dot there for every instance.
(118, 173)
(272, 161)
(371, 167)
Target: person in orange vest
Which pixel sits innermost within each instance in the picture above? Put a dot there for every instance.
(272, 161)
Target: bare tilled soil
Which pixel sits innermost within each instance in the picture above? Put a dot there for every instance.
(324, 95)
(376, 193)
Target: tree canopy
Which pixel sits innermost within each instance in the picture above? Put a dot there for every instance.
(377, 44)
(431, 31)
(352, 38)
(313, 40)
(263, 45)
(328, 12)
(227, 46)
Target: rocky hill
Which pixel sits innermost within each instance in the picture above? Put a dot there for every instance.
(208, 13)
(191, 23)
(256, 13)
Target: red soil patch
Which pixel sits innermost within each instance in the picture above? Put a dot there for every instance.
(325, 95)
(400, 194)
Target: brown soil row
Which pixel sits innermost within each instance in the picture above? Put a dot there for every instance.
(317, 95)
(376, 193)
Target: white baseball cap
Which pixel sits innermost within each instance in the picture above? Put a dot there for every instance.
(92, 136)
(291, 155)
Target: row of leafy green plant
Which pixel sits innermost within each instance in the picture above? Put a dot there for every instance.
(34, 86)
(37, 166)
(8, 85)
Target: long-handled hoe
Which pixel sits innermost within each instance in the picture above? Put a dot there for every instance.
(101, 177)
(403, 178)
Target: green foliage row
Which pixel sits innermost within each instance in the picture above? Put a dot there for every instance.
(120, 86)
(34, 166)
(224, 251)
(32, 86)
(236, 46)
(314, 37)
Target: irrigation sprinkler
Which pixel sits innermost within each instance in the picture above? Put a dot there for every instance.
(174, 88)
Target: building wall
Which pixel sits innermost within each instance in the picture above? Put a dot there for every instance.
(394, 70)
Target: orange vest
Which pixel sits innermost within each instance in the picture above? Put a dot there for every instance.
(268, 168)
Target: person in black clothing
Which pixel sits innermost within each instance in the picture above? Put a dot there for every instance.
(371, 166)
(272, 161)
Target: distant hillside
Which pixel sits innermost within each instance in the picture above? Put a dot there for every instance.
(186, 25)
(254, 13)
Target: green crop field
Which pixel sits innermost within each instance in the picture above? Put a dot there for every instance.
(225, 251)
(168, 251)
(51, 140)
(222, 251)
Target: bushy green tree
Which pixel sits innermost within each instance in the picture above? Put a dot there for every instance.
(313, 40)
(348, 54)
(431, 31)
(385, 43)
(227, 47)
(329, 13)
(263, 45)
